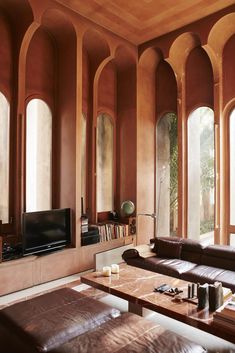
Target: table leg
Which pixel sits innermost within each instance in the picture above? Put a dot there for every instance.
(135, 308)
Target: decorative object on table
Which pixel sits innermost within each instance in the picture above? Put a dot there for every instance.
(216, 298)
(114, 268)
(106, 272)
(203, 296)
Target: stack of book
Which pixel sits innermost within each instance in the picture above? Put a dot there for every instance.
(225, 316)
(112, 230)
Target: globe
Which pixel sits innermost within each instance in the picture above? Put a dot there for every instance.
(127, 208)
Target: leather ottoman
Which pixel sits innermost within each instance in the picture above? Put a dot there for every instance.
(48, 321)
(129, 333)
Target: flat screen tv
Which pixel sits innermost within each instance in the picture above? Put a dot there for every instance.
(46, 230)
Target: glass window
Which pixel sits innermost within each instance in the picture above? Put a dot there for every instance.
(104, 163)
(201, 175)
(84, 161)
(38, 156)
(167, 175)
(4, 158)
(232, 166)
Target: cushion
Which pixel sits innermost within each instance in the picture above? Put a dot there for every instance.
(168, 249)
(130, 333)
(51, 319)
(130, 254)
(202, 274)
(224, 251)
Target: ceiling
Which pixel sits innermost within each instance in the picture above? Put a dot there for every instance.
(141, 20)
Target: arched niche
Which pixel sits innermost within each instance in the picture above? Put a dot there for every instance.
(51, 75)
(116, 95)
(199, 81)
(180, 50)
(221, 32)
(166, 89)
(228, 70)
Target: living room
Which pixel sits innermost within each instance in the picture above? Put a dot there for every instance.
(103, 103)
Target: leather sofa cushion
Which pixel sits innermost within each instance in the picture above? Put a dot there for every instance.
(168, 249)
(191, 256)
(169, 267)
(222, 251)
(202, 274)
(228, 279)
(192, 246)
(220, 262)
(129, 333)
(50, 320)
(130, 254)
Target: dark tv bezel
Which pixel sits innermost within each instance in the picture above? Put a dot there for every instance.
(56, 245)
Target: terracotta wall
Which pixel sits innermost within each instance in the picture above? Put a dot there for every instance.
(78, 67)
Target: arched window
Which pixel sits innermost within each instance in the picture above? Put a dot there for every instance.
(167, 175)
(104, 163)
(4, 158)
(232, 175)
(84, 161)
(38, 156)
(201, 174)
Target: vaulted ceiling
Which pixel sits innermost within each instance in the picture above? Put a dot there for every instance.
(141, 20)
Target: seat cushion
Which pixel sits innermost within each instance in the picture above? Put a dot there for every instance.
(171, 267)
(202, 274)
(129, 333)
(50, 320)
(228, 279)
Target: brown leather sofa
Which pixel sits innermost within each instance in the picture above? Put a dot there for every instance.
(188, 260)
(65, 321)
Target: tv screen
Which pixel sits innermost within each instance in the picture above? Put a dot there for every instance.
(45, 230)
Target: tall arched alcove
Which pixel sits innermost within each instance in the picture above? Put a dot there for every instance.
(198, 80)
(146, 152)
(228, 70)
(51, 76)
(166, 130)
(95, 50)
(116, 95)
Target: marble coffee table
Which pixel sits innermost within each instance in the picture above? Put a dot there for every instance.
(137, 285)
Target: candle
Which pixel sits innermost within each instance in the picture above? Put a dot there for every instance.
(106, 271)
(115, 268)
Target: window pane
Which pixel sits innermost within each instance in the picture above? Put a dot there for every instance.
(232, 167)
(201, 174)
(38, 156)
(4, 158)
(167, 175)
(84, 157)
(104, 163)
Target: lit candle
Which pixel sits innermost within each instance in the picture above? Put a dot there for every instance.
(106, 271)
(115, 268)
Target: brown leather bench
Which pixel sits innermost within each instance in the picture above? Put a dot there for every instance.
(47, 321)
(65, 321)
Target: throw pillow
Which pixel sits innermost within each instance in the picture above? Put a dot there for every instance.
(130, 254)
(169, 249)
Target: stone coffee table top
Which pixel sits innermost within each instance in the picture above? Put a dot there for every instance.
(137, 285)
